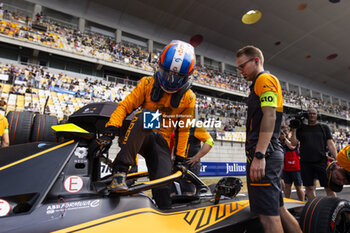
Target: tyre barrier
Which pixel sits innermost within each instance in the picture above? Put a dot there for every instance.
(325, 215)
(20, 125)
(41, 130)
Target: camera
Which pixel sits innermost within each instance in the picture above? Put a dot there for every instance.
(297, 119)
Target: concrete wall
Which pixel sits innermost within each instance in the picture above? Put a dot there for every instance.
(224, 151)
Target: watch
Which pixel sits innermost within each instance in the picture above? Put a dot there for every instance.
(259, 155)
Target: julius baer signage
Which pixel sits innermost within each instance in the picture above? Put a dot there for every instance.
(207, 168)
(223, 168)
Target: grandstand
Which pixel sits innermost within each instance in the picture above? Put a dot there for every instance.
(74, 61)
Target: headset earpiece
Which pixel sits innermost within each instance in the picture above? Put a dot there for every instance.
(256, 62)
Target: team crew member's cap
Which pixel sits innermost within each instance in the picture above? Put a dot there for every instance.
(333, 186)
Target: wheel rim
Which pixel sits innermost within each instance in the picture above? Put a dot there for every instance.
(342, 223)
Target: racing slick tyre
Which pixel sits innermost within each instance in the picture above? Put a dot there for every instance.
(20, 124)
(326, 215)
(42, 128)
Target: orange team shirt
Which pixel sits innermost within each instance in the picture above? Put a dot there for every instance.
(266, 82)
(3, 125)
(265, 92)
(343, 158)
(201, 134)
(141, 96)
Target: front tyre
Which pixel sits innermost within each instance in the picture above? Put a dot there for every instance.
(326, 215)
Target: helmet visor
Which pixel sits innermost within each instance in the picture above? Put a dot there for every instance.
(171, 81)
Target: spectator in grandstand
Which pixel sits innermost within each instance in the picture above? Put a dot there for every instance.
(3, 103)
(29, 90)
(161, 95)
(98, 46)
(29, 107)
(4, 132)
(13, 89)
(69, 101)
(12, 74)
(127, 80)
(314, 138)
(263, 151)
(77, 94)
(36, 108)
(47, 109)
(291, 168)
(338, 172)
(38, 17)
(21, 77)
(66, 112)
(21, 90)
(38, 77)
(341, 138)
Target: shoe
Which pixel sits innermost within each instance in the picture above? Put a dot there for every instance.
(118, 184)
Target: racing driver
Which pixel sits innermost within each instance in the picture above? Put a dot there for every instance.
(167, 96)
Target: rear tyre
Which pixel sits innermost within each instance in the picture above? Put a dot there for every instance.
(326, 215)
(20, 124)
(42, 128)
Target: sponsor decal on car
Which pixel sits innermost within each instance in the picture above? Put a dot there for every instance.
(341, 205)
(74, 205)
(81, 152)
(105, 170)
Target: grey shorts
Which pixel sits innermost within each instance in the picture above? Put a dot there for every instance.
(265, 196)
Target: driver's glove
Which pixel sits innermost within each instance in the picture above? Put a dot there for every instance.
(103, 143)
(111, 132)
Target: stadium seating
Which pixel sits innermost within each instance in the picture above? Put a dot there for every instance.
(96, 46)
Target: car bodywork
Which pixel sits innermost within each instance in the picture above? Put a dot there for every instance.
(49, 187)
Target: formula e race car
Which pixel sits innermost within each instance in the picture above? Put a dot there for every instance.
(57, 187)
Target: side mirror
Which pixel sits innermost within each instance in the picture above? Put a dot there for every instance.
(227, 186)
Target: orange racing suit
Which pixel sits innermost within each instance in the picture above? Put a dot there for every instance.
(141, 96)
(154, 144)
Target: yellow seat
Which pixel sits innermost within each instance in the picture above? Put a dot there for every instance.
(8, 109)
(5, 88)
(20, 101)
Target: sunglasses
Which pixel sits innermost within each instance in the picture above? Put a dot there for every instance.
(241, 66)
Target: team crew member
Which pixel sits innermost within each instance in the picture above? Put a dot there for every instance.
(338, 172)
(264, 152)
(195, 152)
(4, 131)
(168, 94)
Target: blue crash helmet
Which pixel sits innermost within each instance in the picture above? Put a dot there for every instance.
(176, 64)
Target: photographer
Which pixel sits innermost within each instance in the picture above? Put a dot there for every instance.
(314, 138)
